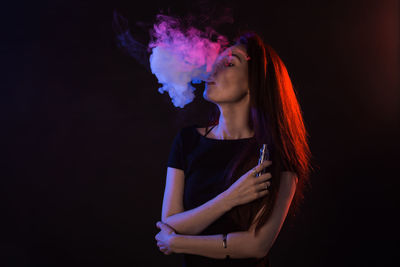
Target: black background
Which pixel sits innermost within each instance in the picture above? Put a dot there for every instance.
(85, 133)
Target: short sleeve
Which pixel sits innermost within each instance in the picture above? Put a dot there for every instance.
(176, 157)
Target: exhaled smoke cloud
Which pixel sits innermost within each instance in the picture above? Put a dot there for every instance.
(181, 56)
(178, 53)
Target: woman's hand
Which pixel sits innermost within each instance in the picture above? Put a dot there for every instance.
(164, 238)
(248, 187)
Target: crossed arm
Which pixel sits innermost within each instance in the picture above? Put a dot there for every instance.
(244, 244)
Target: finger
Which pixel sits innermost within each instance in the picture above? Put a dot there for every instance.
(263, 186)
(262, 193)
(164, 227)
(264, 164)
(261, 166)
(264, 177)
(160, 225)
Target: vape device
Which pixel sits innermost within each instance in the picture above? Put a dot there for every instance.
(264, 155)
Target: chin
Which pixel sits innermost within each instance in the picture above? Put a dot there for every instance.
(206, 96)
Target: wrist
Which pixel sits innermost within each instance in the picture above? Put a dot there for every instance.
(226, 201)
(174, 243)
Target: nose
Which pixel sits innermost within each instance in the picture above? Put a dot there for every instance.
(216, 68)
(213, 74)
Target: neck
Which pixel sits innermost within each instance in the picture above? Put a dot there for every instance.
(233, 122)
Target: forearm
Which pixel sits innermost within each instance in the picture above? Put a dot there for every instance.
(239, 245)
(192, 222)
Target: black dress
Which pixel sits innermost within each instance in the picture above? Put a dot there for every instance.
(203, 161)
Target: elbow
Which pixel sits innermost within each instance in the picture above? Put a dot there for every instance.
(167, 220)
(255, 249)
(262, 254)
(164, 219)
(261, 251)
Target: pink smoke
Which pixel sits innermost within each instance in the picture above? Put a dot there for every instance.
(181, 56)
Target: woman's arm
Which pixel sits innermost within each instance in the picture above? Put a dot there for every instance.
(243, 244)
(239, 245)
(194, 221)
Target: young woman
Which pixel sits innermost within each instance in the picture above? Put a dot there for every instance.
(216, 211)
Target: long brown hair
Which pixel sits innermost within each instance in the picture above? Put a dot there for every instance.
(276, 119)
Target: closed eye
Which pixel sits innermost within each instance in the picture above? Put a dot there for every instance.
(224, 63)
(229, 64)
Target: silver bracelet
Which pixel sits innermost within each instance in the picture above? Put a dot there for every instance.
(224, 243)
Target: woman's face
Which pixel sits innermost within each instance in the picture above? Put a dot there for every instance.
(229, 76)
